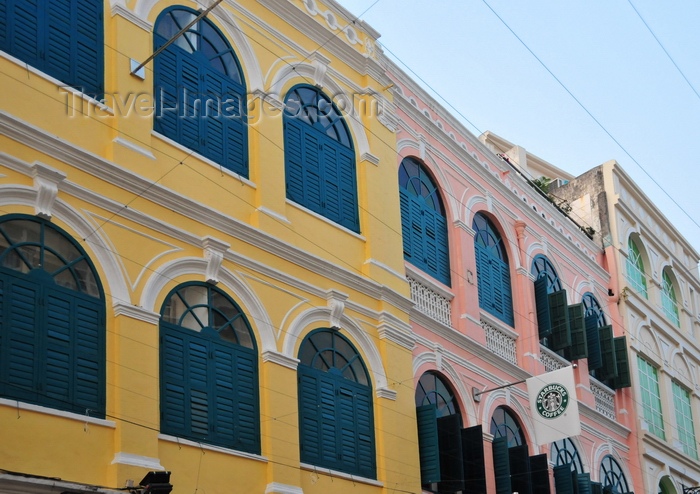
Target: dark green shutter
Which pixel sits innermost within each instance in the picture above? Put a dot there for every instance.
(607, 349)
(451, 466)
(246, 400)
(595, 359)
(596, 488)
(519, 458)
(559, 315)
(563, 479)
(622, 380)
(474, 462)
(294, 160)
(539, 474)
(544, 323)
(501, 465)
(579, 345)
(584, 483)
(428, 447)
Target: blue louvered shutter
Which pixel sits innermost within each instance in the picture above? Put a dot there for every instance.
(443, 250)
(406, 225)
(564, 480)
(595, 359)
(223, 395)
(88, 39)
(21, 351)
(60, 49)
(166, 92)
(348, 454)
(559, 316)
(174, 396)
(539, 474)
(355, 428)
(544, 323)
(473, 460)
(310, 423)
(294, 162)
(579, 344)
(330, 170)
(198, 382)
(348, 189)
(451, 461)
(247, 400)
(190, 123)
(483, 278)
(23, 34)
(365, 433)
(501, 465)
(4, 7)
(506, 306)
(607, 350)
(428, 447)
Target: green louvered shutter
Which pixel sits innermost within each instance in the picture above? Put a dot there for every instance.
(579, 345)
(406, 230)
(559, 315)
(595, 359)
(539, 474)
(245, 400)
(519, 458)
(348, 188)
(428, 444)
(544, 323)
(563, 480)
(623, 379)
(174, 391)
(596, 488)
(584, 483)
(474, 462)
(364, 432)
(607, 349)
(310, 422)
(450, 441)
(501, 465)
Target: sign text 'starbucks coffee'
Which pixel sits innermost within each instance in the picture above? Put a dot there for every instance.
(552, 401)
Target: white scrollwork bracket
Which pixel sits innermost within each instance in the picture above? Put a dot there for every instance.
(336, 305)
(214, 250)
(46, 183)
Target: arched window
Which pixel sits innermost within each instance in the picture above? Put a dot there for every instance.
(592, 308)
(63, 38)
(635, 269)
(542, 267)
(668, 298)
(612, 478)
(492, 270)
(208, 369)
(423, 221)
(504, 424)
(336, 418)
(511, 457)
(52, 319)
(564, 452)
(200, 93)
(320, 168)
(432, 390)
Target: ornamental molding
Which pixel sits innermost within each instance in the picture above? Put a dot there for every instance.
(280, 359)
(214, 251)
(47, 181)
(137, 461)
(120, 9)
(135, 312)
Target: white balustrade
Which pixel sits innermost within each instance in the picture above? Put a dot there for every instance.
(430, 302)
(499, 342)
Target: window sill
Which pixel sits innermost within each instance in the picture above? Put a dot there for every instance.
(323, 218)
(85, 419)
(210, 447)
(341, 475)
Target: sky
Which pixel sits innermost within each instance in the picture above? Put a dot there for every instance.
(639, 97)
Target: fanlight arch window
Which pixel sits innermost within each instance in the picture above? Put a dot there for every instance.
(423, 221)
(63, 38)
(492, 270)
(209, 369)
(336, 418)
(542, 267)
(564, 452)
(320, 167)
(635, 269)
(505, 424)
(612, 477)
(52, 319)
(200, 93)
(668, 298)
(592, 308)
(433, 390)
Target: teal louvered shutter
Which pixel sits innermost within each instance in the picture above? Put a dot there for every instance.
(583, 481)
(483, 278)
(595, 359)
(198, 388)
(330, 181)
(579, 344)
(539, 474)
(223, 394)
(473, 460)
(506, 295)
(623, 379)
(21, 351)
(442, 250)
(348, 451)
(312, 170)
(190, 123)
(544, 322)
(88, 371)
(417, 232)
(564, 479)
(174, 391)
(607, 350)
(247, 400)
(451, 463)
(364, 430)
(310, 422)
(519, 458)
(348, 189)
(428, 447)
(559, 315)
(166, 92)
(406, 222)
(596, 488)
(87, 38)
(501, 465)
(294, 160)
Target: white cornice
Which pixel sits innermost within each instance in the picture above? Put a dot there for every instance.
(134, 312)
(126, 13)
(280, 359)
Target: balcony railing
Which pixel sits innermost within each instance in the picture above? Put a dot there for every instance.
(430, 302)
(500, 342)
(551, 360)
(604, 399)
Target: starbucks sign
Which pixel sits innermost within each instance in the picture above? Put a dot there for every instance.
(552, 401)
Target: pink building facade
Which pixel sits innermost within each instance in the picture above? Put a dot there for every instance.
(487, 257)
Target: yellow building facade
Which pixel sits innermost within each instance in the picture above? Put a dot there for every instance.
(201, 265)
